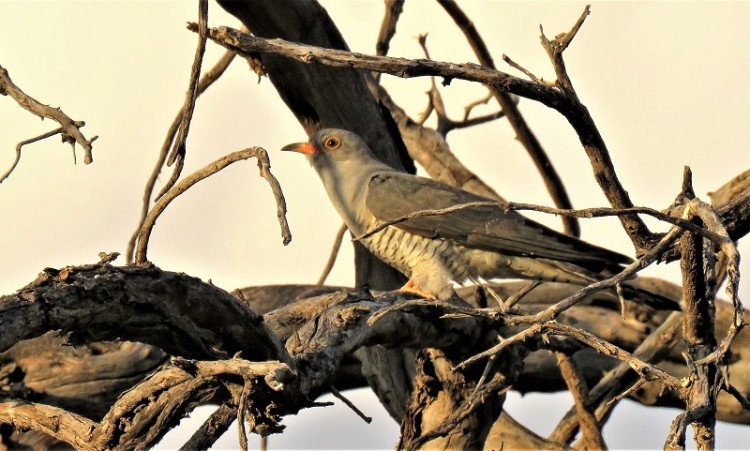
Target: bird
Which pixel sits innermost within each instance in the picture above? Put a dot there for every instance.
(473, 238)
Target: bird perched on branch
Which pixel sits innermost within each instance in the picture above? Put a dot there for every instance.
(463, 237)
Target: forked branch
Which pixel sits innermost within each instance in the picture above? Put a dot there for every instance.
(70, 129)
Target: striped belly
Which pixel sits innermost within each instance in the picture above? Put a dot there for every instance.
(415, 255)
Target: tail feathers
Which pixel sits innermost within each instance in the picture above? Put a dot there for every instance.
(653, 300)
(556, 271)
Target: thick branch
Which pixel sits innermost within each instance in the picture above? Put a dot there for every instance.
(175, 312)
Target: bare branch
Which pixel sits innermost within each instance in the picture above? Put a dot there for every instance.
(645, 369)
(583, 213)
(192, 91)
(573, 110)
(102, 302)
(206, 81)
(334, 253)
(592, 434)
(524, 134)
(71, 130)
(427, 147)
(216, 166)
(557, 46)
(522, 69)
(393, 9)
(350, 405)
(64, 426)
(29, 141)
(211, 429)
(612, 387)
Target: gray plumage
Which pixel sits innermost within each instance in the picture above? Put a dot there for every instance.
(480, 242)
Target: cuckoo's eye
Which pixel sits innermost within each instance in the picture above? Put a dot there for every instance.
(332, 143)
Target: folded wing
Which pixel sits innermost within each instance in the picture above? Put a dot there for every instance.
(394, 195)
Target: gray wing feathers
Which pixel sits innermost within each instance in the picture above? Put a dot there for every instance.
(394, 195)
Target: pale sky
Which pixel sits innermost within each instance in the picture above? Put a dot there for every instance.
(666, 83)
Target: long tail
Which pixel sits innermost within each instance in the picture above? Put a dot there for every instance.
(556, 271)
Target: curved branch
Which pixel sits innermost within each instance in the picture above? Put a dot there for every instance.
(206, 81)
(71, 130)
(20, 145)
(216, 166)
(64, 426)
(173, 311)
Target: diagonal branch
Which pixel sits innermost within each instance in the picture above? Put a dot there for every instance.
(544, 165)
(582, 213)
(393, 9)
(604, 395)
(206, 81)
(645, 369)
(263, 165)
(71, 130)
(592, 434)
(20, 145)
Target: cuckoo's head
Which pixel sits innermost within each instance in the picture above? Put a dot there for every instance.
(331, 146)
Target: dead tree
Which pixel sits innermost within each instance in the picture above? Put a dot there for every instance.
(151, 345)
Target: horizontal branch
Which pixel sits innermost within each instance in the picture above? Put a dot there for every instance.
(56, 422)
(244, 44)
(579, 213)
(553, 97)
(173, 311)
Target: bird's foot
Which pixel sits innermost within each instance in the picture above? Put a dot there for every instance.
(414, 288)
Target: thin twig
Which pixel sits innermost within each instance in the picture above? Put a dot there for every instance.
(206, 81)
(522, 69)
(192, 92)
(350, 404)
(582, 213)
(557, 46)
(737, 394)
(179, 188)
(515, 297)
(241, 410)
(645, 260)
(485, 373)
(627, 392)
(497, 387)
(264, 166)
(645, 369)
(334, 253)
(71, 130)
(471, 105)
(29, 141)
(613, 386)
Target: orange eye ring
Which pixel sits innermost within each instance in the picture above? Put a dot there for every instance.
(332, 143)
